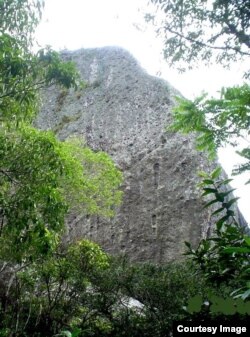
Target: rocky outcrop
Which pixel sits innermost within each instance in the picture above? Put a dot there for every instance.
(124, 112)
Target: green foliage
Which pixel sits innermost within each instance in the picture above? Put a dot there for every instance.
(40, 179)
(82, 291)
(43, 286)
(189, 117)
(217, 121)
(22, 74)
(19, 18)
(245, 153)
(48, 294)
(212, 31)
(88, 257)
(224, 256)
(164, 291)
(91, 181)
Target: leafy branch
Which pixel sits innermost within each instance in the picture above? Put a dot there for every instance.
(225, 254)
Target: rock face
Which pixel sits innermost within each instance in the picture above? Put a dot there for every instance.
(124, 112)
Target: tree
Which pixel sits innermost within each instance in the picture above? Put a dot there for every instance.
(19, 18)
(217, 122)
(49, 295)
(83, 290)
(214, 31)
(211, 31)
(223, 256)
(41, 178)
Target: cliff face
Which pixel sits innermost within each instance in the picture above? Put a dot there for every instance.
(124, 112)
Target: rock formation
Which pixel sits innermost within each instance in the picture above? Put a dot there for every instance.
(124, 111)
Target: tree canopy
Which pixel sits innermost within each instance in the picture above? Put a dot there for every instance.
(19, 18)
(41, 178)
(218, 121)
(211, 31)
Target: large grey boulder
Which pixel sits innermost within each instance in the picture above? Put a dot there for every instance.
(124, 111)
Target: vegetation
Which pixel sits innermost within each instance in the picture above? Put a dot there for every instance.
(214, 31)
(216, 121)
(209, 31)
(80, 291)
(41, 178)
(223, 256)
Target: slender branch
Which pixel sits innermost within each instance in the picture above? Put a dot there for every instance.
(37, 86)
(14, 181)
(28, 318)
(7, 175)
(5, 264)
(203, 44)
(48, 290)
(58, 293)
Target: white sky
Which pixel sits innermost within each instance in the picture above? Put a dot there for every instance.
(75, 24)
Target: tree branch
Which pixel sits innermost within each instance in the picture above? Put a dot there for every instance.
(203, 44)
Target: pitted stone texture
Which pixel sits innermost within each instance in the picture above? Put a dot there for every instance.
(125, 111)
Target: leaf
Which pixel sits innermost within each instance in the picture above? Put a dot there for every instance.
(202, 174)
(208, 181)
(76, 332)
(220, 223)
(188, 244)
(247, 239)
(231, 250)
(216, 173)
(231, 202)
(208, 190)
(246, 294)
(218, 210)
(64, 334)
(220, 196)
(224, 182)
(224, 194)
(211, 203)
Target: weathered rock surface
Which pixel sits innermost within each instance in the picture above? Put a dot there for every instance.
(124, 111)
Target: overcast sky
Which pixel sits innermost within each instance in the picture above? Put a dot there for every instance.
(74, 24)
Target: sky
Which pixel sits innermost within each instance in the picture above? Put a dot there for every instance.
(75, 24)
